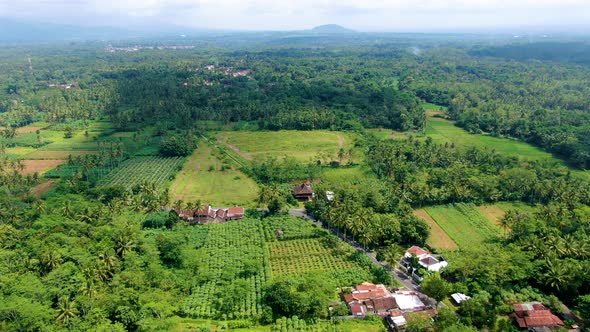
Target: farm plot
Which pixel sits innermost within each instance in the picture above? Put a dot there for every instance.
(207, 178)
(302, 145)
(140, 169)
(39, 166)
(497, 211)
(464, 224)
(438, 238)
(290, 228)
(227, 251)
(305, 255)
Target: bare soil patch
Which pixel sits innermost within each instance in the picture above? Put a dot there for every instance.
(41, 154)
(438, 237)
(42, 188)
(28, 130)
(235, 149)
(39, 166)
(494, 213)
(341, 141)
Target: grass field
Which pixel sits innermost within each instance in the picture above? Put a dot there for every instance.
(202, 178)
(461, 225)
(384, 133)
(139, 169)
(444, 131)
(302, 145)
(465, 224)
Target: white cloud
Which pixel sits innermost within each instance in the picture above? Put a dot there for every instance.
(281, 14)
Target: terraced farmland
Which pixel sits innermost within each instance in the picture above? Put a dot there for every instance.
(140, 169)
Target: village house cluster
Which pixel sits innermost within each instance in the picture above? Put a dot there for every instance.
(371, 299)
(112, 49)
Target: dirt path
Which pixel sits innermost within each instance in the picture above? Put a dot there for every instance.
(341, 141)
(235, 149)
(438, 237)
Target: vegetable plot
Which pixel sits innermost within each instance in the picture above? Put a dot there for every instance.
(141, 169)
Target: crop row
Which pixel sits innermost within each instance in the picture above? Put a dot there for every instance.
(141, 169)
(300, 256)
(232, 251)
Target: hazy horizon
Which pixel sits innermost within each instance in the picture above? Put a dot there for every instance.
(256, 15)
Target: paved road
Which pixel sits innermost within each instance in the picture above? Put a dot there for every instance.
(403, 279)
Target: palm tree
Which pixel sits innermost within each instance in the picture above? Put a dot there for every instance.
(66, 310)
(124, 244)
(67, 209)
(505, 224)
(88, 289)
(51, 259)
(555, 275)
(178, 205)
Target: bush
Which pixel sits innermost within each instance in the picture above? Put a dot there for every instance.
(176, 146)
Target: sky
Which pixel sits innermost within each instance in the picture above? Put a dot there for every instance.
(362, 15)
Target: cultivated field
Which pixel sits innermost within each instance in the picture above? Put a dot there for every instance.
(205, 177)
(347, 325)
(497, 211)
(139, 169)
(227, 249)
(464, 224)
(302, 145)
(438, 238)
(39, 166)
(43, 188)
(460, 225)
(294, 257)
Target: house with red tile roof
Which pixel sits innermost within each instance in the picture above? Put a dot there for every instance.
(416, 251)
(210, 214)
(534, 316)
(428, 261)
(368, 298)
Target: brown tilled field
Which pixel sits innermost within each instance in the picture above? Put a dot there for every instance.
(42, 188)
(438, 237)
(49, 155)
(494, 213)
(40, 166)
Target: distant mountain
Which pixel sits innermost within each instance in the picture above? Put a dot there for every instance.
(12, 31)
(331, 29)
